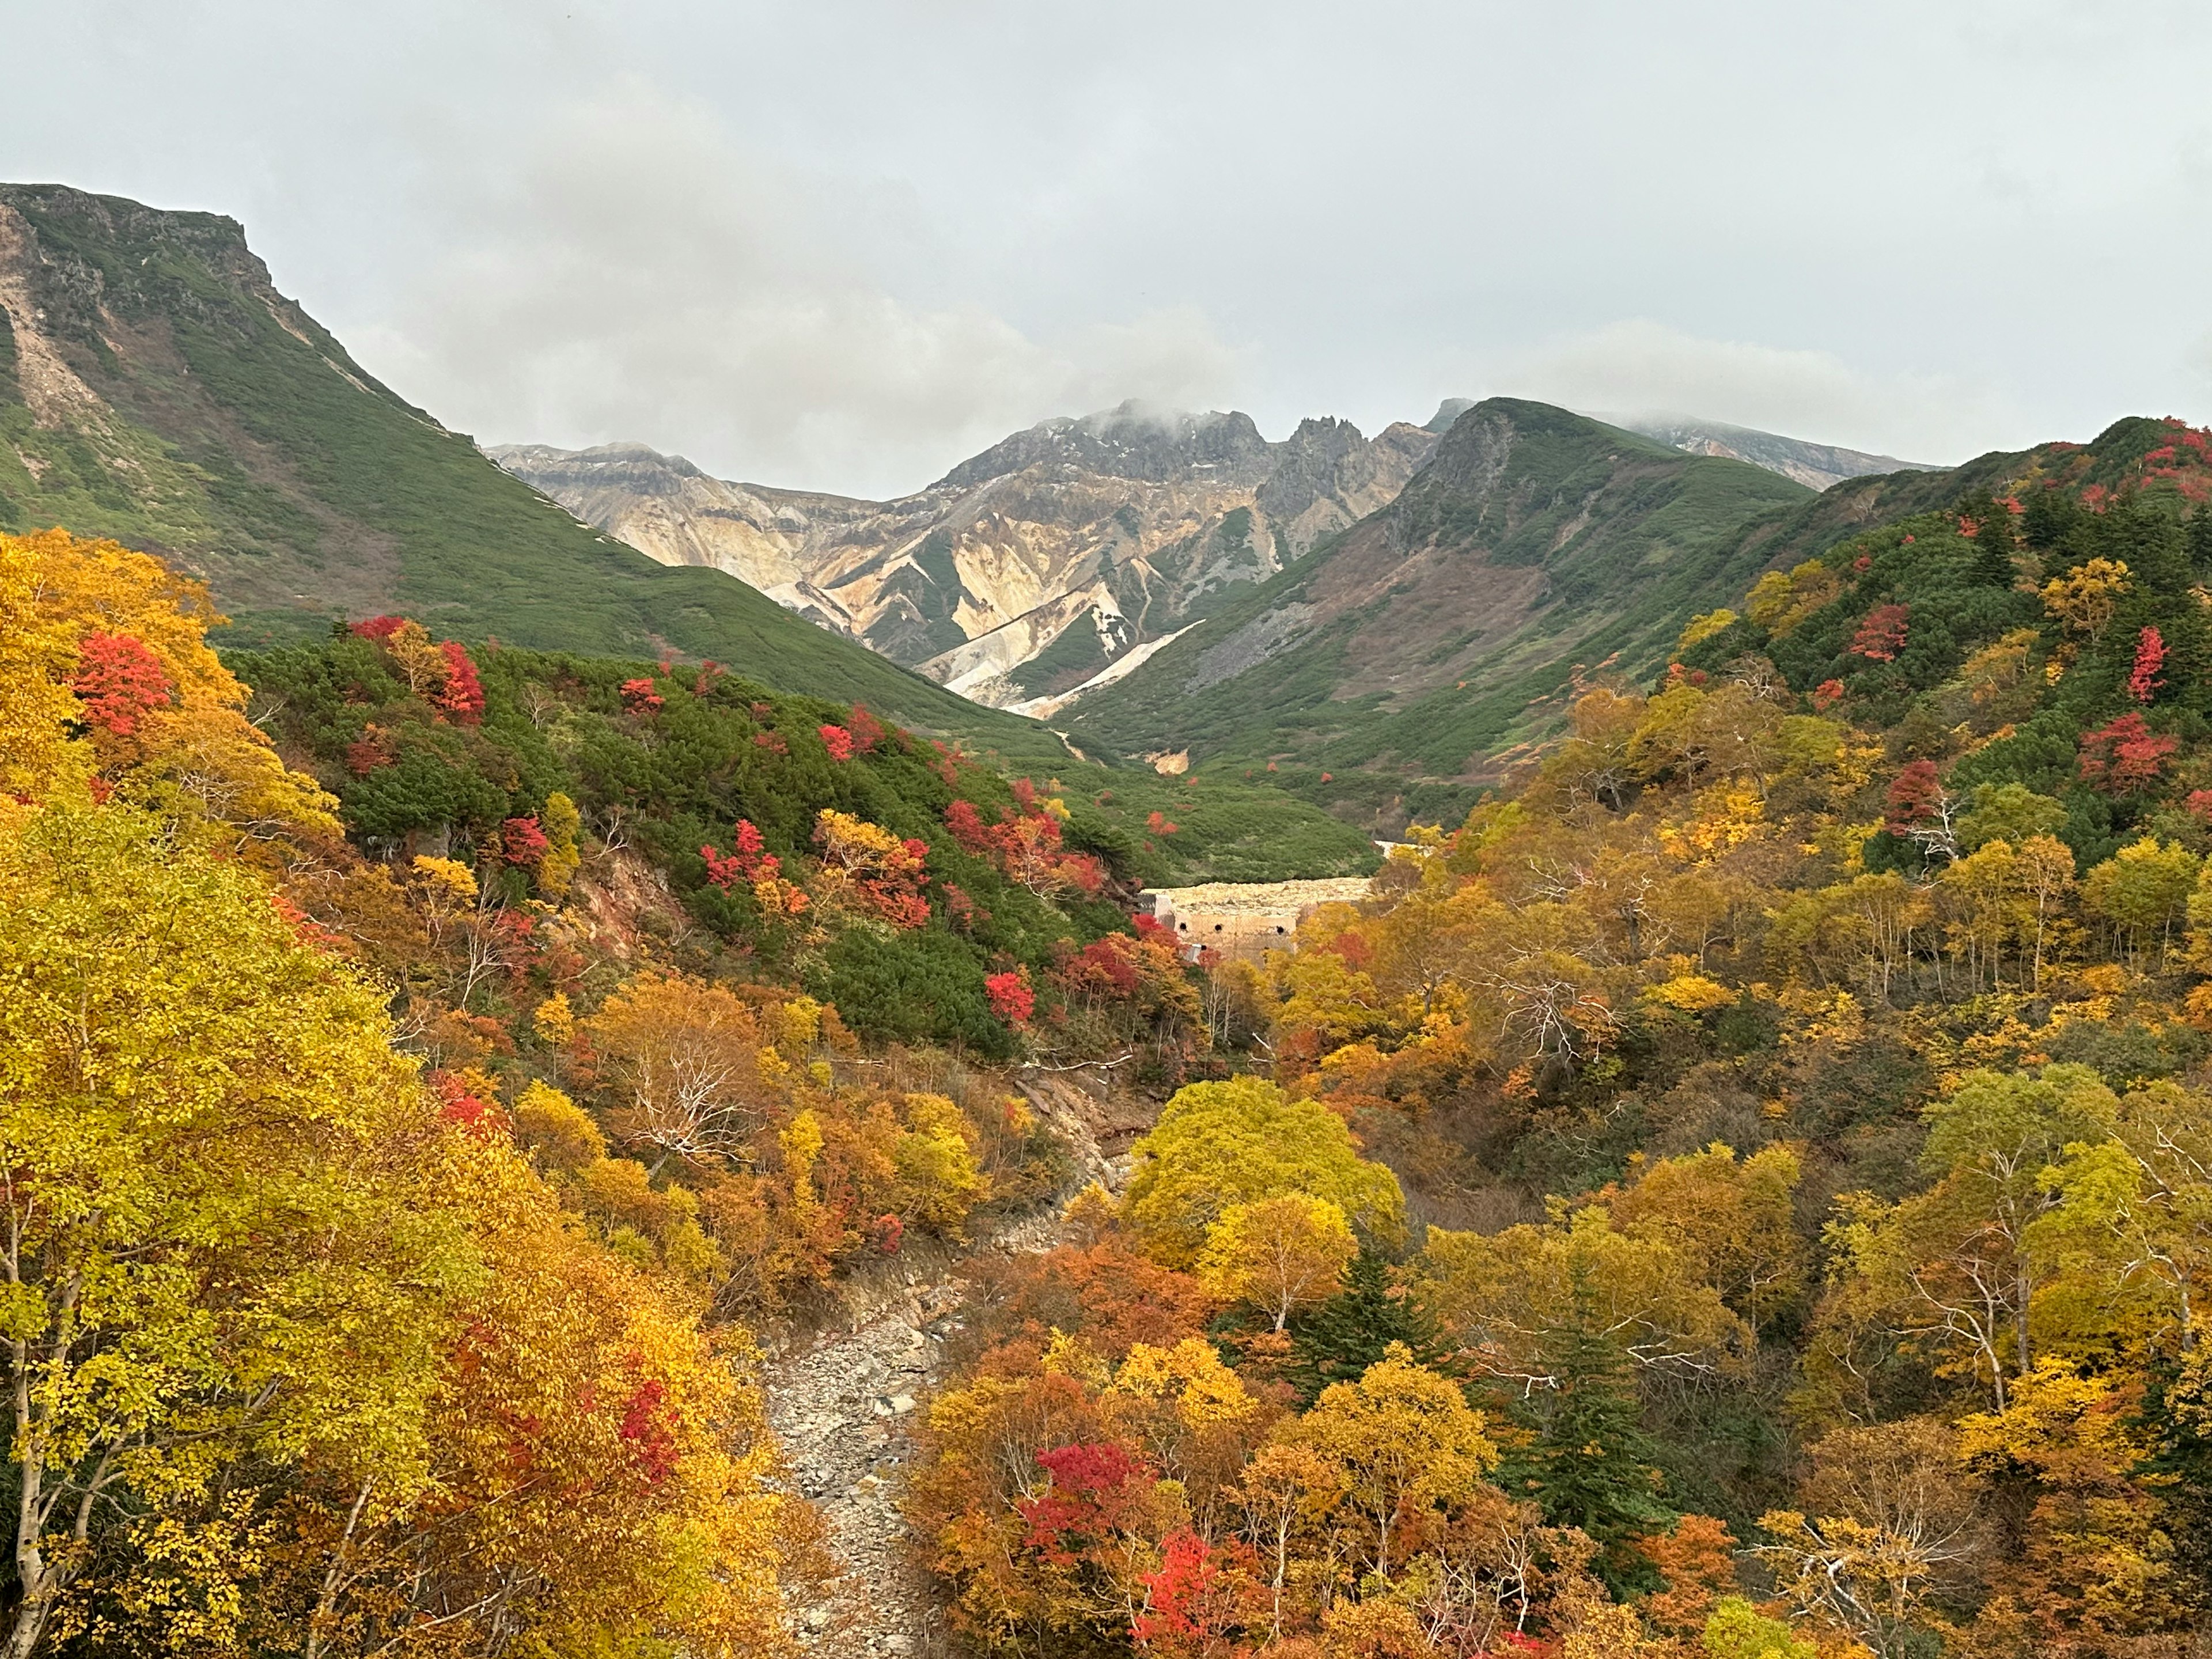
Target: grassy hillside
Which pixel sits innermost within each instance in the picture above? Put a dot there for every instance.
(214, 422)
(156, 389)
(1537, 546)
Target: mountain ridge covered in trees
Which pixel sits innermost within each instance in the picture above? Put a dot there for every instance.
(1295, 708)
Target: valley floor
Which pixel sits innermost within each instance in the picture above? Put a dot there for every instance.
(844, 1394)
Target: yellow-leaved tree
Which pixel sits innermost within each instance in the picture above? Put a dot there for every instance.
(114, 641)
(227, 1238)
(1278, 1254)
(1221, 1143)
(302, 1357)
(1404, 1449)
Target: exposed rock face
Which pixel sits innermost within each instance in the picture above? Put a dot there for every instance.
(1030, 567)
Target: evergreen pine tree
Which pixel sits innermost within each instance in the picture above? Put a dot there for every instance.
(1995, 539)
(1589, 1462)
(2179, 1470)
(1338, 1341)
(2200, 540)
(2051, 513)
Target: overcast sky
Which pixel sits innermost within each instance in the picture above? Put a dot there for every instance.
(841, 246)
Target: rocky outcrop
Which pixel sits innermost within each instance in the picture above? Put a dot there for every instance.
(1535, 547)
(1027, 570)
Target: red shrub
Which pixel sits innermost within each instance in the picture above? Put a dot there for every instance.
(1916, 795)
(2143, 681)
(119, 681)
(1192, 1599)
(644, 1430)
(462, 694)
(968, 829)
(371, 751)
(522, 842)
(1093, 1488)
(751, 862)
(867, 730)
(2124, 756)
(1881, 635)
(1012, 1000)
(458, 1105)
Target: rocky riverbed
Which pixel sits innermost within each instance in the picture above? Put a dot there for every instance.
(845, 1395)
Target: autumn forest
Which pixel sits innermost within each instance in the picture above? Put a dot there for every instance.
(1743, 1190)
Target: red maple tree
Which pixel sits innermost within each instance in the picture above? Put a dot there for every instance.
(1881, 635)
(2124, 756)
(119, 681)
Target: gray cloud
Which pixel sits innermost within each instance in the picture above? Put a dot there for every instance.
(632, 270)
(1640, 366)
(845, 244)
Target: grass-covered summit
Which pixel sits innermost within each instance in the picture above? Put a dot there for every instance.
(157, 388)
(1535, 545)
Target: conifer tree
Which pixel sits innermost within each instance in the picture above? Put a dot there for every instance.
(1994, 538)
(1337, 1341)
(2200, 540)
(1589, 1464)
(2173, 1420)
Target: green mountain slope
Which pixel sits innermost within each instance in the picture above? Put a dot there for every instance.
(1537, 546)
(157, 388)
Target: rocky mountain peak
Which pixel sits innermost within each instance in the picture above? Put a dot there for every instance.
(1814, 464)
(632, 466)
(1133, 440)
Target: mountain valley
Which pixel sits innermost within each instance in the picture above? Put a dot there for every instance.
(598, 1104)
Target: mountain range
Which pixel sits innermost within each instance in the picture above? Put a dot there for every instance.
(1061, 558)
(1028, 569)
(1374, 624)
(1400, 667)
(1817, 466)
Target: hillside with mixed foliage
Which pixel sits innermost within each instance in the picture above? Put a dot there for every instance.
(892, 875)
(1798, 1089)
(308, 1353)
(1535, 548)
(1742, 1188)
